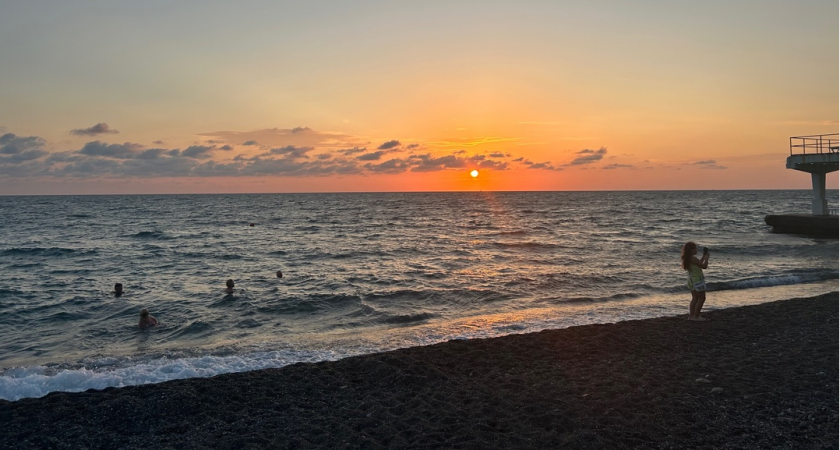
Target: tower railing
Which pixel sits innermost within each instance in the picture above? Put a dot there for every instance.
(814, 144)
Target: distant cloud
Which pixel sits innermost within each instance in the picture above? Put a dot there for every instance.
(547, 165)
(249, 143)
(14, 145)
(117, 151)
(27, 156)
(388, 167)
(99, 128)
(15, 149)
(352, 151)
(428, 163)
(412, 146)
(543, 165)
(375, 156)
(498, 155)
(389, 145)
(589, 156)
(280, 137)
(290, 151)
(710, 164)
(198, 152)
(618, 166)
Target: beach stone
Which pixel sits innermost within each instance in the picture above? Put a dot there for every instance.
(717, 390)
(702, 380)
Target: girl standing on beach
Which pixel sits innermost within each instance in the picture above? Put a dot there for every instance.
(696, 280)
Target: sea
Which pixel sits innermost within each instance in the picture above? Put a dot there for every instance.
(362, 273)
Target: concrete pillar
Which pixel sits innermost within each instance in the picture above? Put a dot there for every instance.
(819, 205)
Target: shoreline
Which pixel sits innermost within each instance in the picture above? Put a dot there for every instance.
(628, 384)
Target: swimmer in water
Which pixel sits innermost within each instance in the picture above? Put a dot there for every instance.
(229, 288)
(279, 274)
(147, 320)
(118, 290)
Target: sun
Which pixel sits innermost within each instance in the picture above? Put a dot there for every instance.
(474, 173)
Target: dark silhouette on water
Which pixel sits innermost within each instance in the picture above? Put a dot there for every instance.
(147, 320)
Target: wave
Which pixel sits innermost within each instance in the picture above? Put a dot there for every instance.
(37, 381)
(403, 319)
(44, 251)
(622, 296)
(776, 280)
(509, 233)
(524, 245)
(151, 235)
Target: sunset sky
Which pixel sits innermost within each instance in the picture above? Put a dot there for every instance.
(211, 96)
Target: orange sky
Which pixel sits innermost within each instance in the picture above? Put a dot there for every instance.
(264, 97)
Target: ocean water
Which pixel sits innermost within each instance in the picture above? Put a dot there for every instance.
(362, 273)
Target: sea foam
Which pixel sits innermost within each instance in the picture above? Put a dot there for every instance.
(37, 381)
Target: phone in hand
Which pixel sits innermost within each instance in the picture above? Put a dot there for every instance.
(705, 250)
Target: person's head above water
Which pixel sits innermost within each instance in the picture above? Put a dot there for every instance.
(229, 283)
(118, 289)
(144, 313)
(279, 274)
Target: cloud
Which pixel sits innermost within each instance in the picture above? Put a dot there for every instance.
(352, 151)
(498, 155)
(618, 166)
(290, 151)
(471, 142)
(197, 152)
(158, 142)
(427, 163)
(589, 156)
(389, 167)
(118, 151)
(389, 145)
(99, 128)
(280, 137)
(543, 165)
(26, 156)
(412, 146)
(547, 165)
(14, 145)
(250, 143)
(375, 156)
(709, 164)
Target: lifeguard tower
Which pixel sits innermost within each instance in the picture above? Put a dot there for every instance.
(816, 155)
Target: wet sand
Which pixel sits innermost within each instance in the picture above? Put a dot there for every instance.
(763, 376)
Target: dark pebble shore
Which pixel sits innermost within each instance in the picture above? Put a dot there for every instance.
(754, 377)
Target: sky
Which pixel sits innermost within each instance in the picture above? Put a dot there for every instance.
(188, 96)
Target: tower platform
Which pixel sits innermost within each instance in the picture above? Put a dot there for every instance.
(817, 155)
(807, 224)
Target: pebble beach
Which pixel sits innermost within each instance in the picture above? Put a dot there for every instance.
(761, 376)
